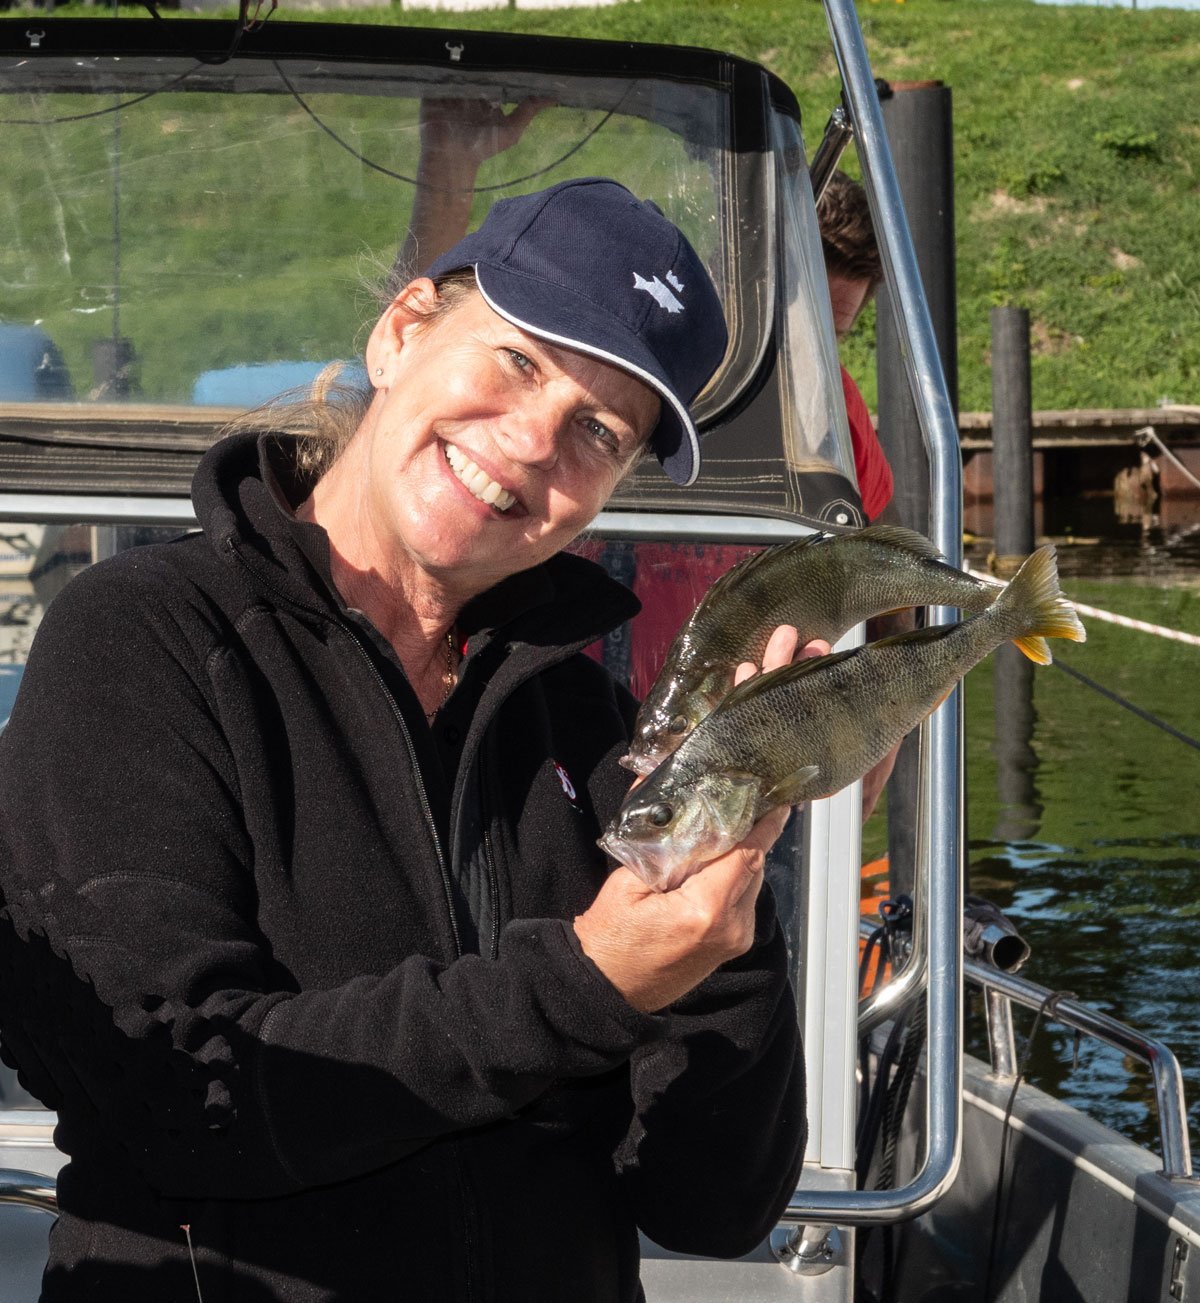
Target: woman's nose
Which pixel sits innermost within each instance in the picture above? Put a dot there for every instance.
(532, 434)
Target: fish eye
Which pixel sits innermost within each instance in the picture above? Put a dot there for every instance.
(678, 725)
(660, 814)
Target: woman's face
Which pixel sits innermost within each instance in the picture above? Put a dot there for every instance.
(489, 450)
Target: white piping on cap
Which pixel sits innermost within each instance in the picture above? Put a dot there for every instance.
(621, 363)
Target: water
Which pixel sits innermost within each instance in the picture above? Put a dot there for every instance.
(1086, 832)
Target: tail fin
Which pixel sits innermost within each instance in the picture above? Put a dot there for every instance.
(1035, 599)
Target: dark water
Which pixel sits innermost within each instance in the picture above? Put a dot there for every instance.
(1084, 823)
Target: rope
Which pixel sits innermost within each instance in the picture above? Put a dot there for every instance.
(1147, 435)
(1127, 705)
(1127, 622)
(1110, 617)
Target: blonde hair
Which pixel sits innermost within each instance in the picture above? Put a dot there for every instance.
(326, 416)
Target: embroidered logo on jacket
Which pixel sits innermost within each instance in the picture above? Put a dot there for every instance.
(565, 779)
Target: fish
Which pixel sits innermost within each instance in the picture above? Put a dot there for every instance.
(823, 584)
(811, 728)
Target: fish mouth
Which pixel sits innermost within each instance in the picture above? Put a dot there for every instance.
(638, 762)
(477, 481)
(658, 870)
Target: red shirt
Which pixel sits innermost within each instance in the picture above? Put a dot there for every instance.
(870, 465)
(671, 578)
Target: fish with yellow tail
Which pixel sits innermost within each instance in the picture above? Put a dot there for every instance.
(823, 584)
(813, 727)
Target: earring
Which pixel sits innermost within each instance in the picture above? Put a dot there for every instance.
(379, 370)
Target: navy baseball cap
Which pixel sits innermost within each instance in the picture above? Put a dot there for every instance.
(588, 265)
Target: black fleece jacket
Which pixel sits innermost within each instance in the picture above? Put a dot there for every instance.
(301, 981)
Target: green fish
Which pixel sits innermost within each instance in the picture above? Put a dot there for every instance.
(823, 585)
(813, 727)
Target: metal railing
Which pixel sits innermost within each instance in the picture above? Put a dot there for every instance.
(1002, 990)
(938, 964)
(29, 1189)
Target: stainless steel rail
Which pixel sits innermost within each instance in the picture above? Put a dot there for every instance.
(29, 1189)
(1169, 1098)
(104, 509)
(939, 851)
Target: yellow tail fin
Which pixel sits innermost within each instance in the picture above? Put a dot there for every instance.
(1043, 609)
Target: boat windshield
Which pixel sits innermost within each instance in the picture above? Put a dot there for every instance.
(188, 230)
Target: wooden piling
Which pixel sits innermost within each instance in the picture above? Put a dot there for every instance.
(1012, 440)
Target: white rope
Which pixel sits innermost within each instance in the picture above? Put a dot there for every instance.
(1125, 621)
(1147, 433)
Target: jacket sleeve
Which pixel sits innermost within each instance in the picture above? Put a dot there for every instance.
(139, 995)
(715, 1148)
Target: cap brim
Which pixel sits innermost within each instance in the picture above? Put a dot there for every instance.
(580, 325)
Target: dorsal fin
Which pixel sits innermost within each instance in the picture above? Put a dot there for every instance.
(906, 539)
(752, 564)
(775, 678)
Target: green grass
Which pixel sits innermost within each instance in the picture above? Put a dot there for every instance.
(1077, 153)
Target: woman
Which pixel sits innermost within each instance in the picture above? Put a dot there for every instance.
(306, 936)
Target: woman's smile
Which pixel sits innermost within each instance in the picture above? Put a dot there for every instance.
(477, 481)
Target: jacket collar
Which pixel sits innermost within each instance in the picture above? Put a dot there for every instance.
(243, 492)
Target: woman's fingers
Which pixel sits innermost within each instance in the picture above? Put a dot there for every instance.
(781, 647)
(781, 650)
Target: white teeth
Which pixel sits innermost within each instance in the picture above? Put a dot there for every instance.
(477, 481)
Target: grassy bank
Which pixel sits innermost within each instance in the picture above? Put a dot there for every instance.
(1077, 166)
(1077, 158)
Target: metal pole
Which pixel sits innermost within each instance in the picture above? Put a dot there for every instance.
(1012, 439)
(918, 121)
(941, 804)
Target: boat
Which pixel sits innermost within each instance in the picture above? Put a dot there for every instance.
(177, 192)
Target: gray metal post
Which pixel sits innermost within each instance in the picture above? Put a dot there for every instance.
(1012, 498)
(918, 120)
(1012, 439)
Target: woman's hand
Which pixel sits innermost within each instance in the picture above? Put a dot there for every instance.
(457, 135)
(656, 946)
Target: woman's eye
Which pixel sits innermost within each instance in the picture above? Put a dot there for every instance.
(519, 360)
(602, 434)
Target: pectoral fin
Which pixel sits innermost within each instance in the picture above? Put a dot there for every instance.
(793, 789)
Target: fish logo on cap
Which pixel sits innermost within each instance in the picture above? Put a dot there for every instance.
(659, 292)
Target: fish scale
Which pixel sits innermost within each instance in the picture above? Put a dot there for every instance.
(815, 726)
(823, 585)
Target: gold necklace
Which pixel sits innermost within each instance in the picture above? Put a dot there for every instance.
(449, 678)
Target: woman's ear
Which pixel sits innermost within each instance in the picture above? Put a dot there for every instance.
(406, 313)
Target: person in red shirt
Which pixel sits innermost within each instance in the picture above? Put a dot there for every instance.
(854, 271)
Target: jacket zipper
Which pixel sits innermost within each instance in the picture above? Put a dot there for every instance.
(422, 794)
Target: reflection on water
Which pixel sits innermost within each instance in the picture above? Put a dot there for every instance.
(1083, 824)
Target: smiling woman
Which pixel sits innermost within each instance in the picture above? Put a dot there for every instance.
(330, 835)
